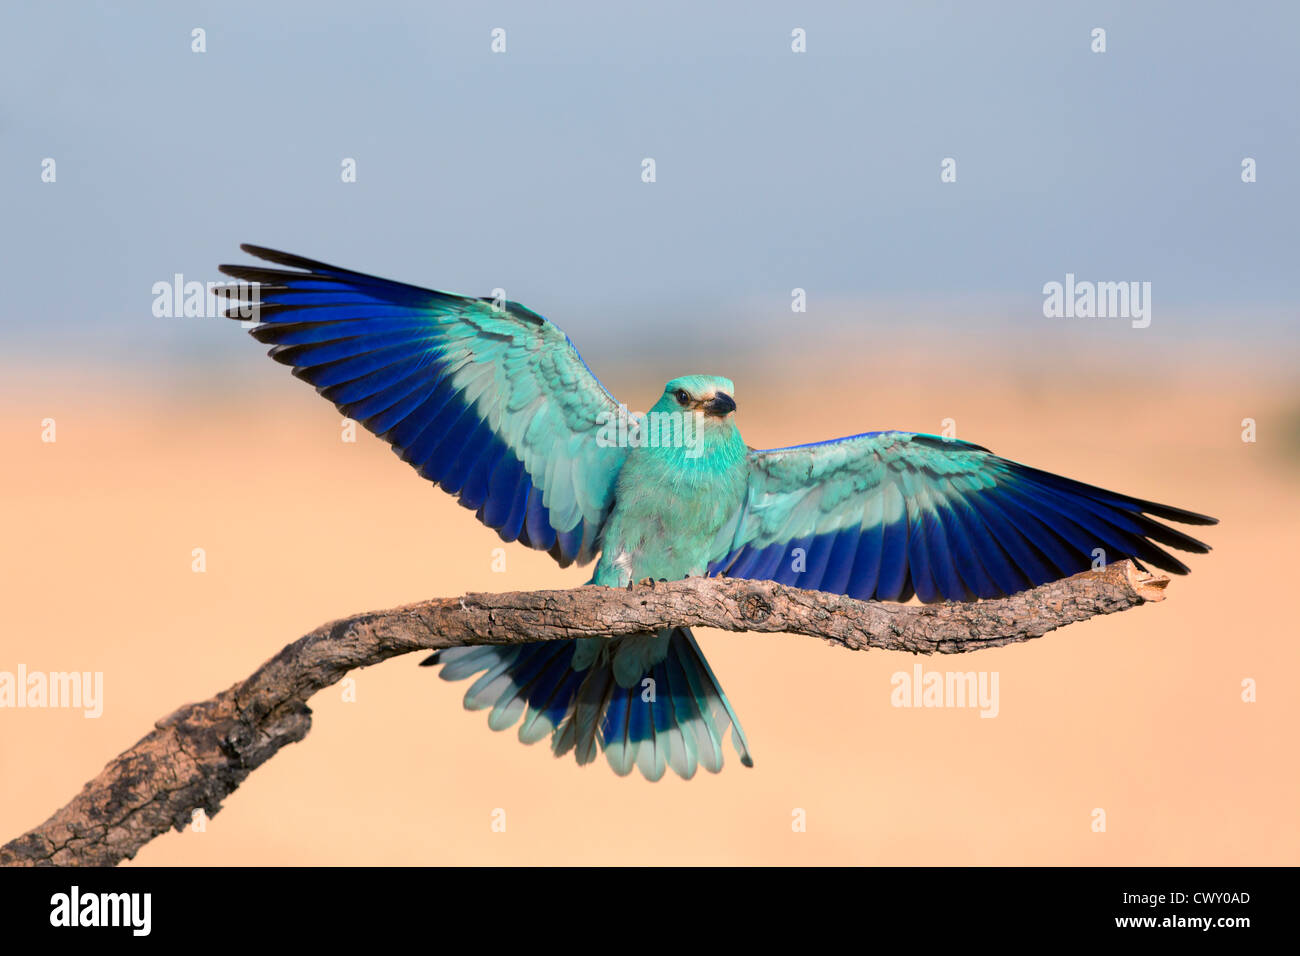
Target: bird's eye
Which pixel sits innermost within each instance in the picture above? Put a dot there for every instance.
(682, 397)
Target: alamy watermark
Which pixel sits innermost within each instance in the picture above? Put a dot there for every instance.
(1099, 300)
(624, 429)
(74, 908)
(82, 690)
(923, 688)
(206, 300)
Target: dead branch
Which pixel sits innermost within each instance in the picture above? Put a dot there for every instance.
(201, 753)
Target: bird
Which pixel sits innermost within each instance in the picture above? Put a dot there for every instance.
(492, 402)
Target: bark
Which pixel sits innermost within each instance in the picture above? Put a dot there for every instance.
(200, 754)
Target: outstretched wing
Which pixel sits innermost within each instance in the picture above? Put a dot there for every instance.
(888, 514)
(492, 404)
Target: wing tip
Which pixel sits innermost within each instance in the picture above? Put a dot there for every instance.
(292, 261)
(268, 254)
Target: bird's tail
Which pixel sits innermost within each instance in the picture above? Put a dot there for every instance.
(647, 700)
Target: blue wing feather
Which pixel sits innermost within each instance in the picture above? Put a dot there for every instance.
(493, 404)
(892, 514)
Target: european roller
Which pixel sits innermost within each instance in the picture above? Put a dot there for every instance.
(491, 402)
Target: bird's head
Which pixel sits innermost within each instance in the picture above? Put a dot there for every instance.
(710, 394)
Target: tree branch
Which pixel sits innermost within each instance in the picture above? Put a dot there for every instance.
(201, 753)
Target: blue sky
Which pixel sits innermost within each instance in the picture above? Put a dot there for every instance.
(774, 170)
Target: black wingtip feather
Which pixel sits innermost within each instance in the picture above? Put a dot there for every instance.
(278, 278)
(1170, 536)
(273, 280)
(1168, 512)
(287, 258)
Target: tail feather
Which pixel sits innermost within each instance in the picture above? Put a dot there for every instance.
(652, 758)
(510, 705)
(616, 731)
(691, 704)
(682, 754)
(581, 729)
(485, 691)
(722, 712)
(459, 665)
(648, 701)
(549, 701)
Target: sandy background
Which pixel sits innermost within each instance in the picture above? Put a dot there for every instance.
(1138, 713)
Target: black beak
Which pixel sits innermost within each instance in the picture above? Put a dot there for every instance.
(720, 406)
